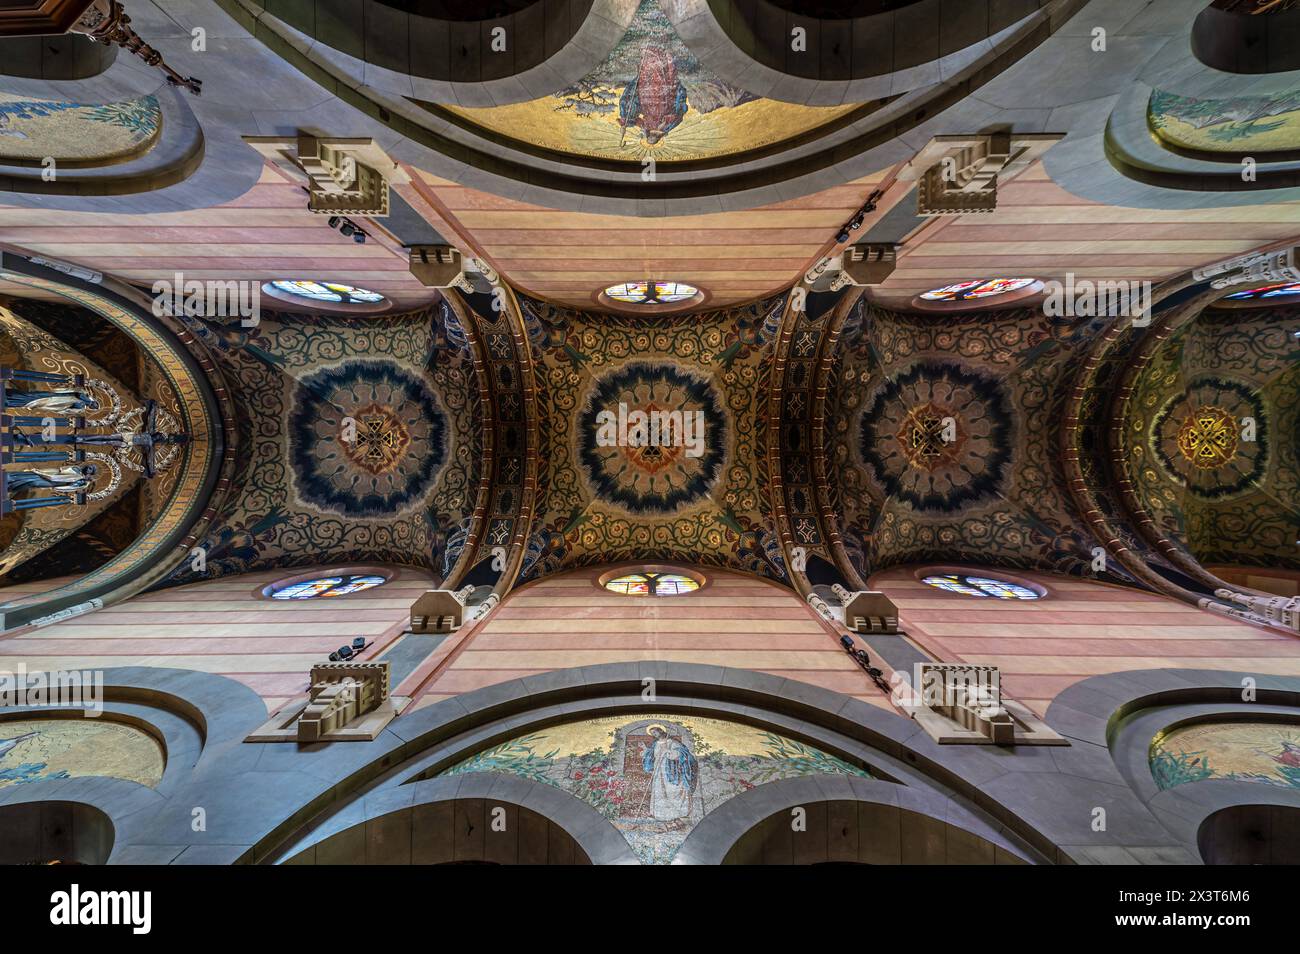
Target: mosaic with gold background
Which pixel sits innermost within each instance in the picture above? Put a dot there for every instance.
(655, 775)
(1265, 752)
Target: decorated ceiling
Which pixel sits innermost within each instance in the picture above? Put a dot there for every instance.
(619, 439)
(602, 499)
(1212, 436)
(358, 441)
(943, 439)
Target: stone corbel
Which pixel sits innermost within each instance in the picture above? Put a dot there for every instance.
(960, 174)
(342, 176)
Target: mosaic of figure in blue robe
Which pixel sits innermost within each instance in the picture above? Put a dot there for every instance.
(673, 773)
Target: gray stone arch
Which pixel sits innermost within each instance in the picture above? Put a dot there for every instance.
(68, 56)
(41, 832)
(847, 820)
(1234, 41)
(855, 59)
(548, 45)
(471, 818)
(1251, 834)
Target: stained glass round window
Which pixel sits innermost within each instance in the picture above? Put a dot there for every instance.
(1267, 292)
(327, 291)
(327, 586)
(978, 289)
(651, 293)
(980, 586)
(652, 584)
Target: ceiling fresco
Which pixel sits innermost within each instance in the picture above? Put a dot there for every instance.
(359, 440)
(943, 437)
(651, 98)
(1212, 435)
(609, 494)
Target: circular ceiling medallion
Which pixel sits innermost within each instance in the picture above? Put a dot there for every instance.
(366, 438)
(1207, 437)
(651, 438)
(938, 436)
(978, 294)
(1212, 438)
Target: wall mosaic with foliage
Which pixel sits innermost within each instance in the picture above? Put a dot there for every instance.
(609, 504)
(1265, 752)
(395, 494)
(1212, 437)
(40, 749)
(655, 776)
(32, 129)
(991, 494)
(1240, 125)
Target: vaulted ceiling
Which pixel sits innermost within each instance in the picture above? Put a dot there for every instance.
(626, 140)
(1211, 432)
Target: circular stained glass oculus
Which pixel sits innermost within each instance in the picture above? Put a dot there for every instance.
(652, 584)
(332, 292)
(1266, 292)
(978, 289)
(651, 293)
(982, 586)
(327, 586)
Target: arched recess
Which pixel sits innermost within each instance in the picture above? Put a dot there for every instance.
(853, 821)
(1251, 835)
(784, 52)
(205, 467)
(471, 819)
(44, 832)
(1237, 36)
(417, 48)
(1203, 449)
(69, 56)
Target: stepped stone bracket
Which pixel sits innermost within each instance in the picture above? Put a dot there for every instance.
(960, 174)
(342, 176)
